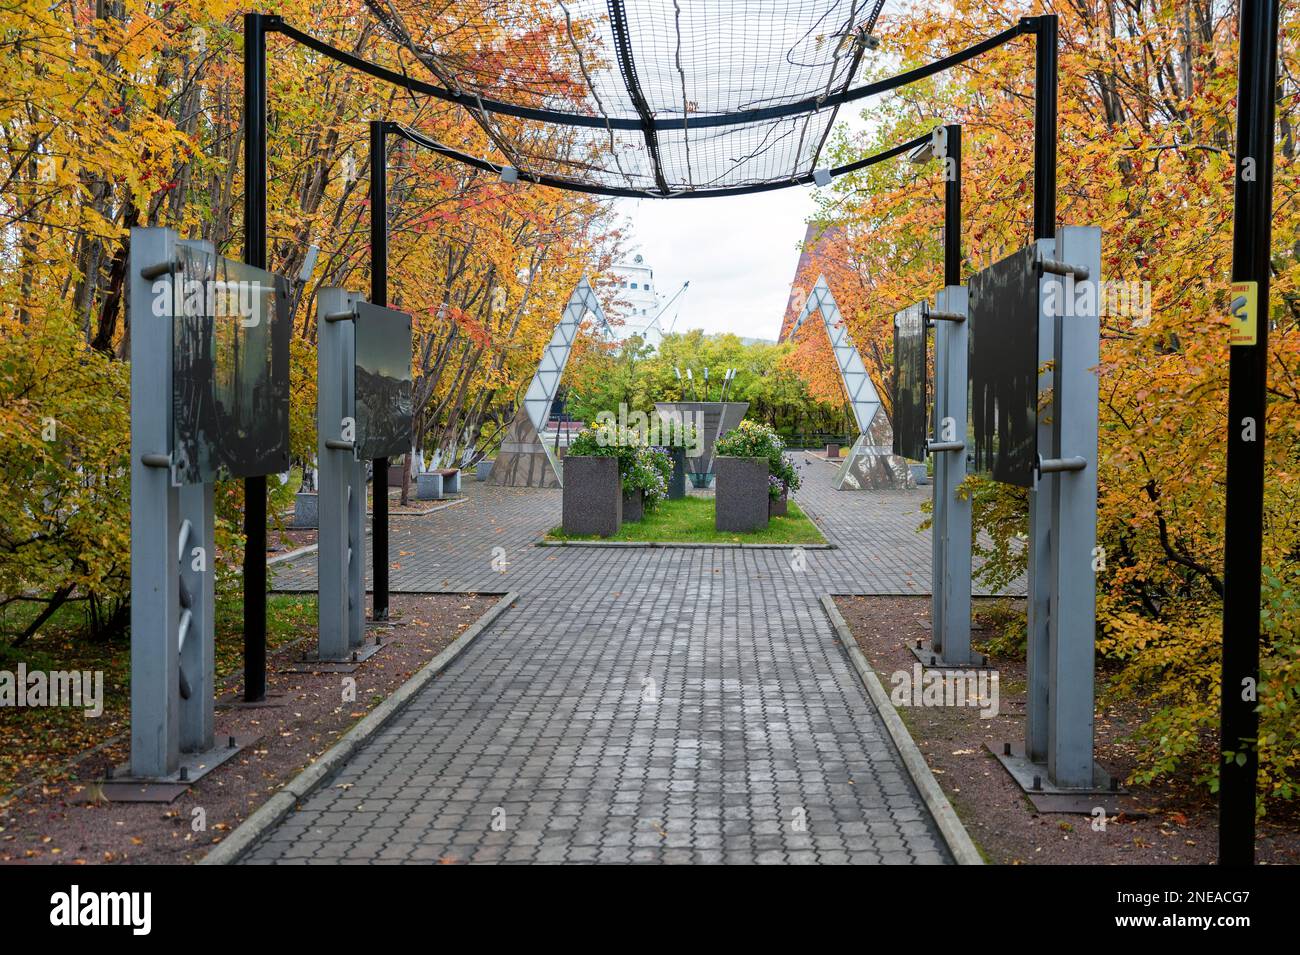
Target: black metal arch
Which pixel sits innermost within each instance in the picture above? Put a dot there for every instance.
(556, 182)
(1027, 25)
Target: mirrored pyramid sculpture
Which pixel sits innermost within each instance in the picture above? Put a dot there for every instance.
(230, 327)
(871, 464)
(524, 460)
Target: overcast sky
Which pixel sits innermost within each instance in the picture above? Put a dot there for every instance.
(739, 254)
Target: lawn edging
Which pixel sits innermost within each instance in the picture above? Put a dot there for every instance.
(945, 817)
(269, 814)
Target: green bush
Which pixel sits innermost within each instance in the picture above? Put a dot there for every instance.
(753, 440)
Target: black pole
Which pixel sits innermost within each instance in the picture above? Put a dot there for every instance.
(952, 206)
(379, 296)
(255, 29)
(1247, 375)
(1045, 80)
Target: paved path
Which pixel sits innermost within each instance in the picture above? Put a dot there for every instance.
(636, 705)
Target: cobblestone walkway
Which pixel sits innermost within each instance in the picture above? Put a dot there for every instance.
(636, 705)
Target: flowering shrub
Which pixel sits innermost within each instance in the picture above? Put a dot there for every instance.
(754, 440)
(603, 441)
(641, 468)
(649, 472)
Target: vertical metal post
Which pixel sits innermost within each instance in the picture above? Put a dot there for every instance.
(155, 522)
(336, 467)
(950, 616)
(1045, 121)
(255, 29)
(1040, 542)
(198, 653)
(1247, 376)
(379, 296)
(952, 205)
(1038, 586)
(1073, 625)
(952, 349)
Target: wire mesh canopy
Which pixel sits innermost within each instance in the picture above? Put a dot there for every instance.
(659, 97)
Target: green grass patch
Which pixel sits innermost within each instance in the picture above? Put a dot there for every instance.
(689, 520)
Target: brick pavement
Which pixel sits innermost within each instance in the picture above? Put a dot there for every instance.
(636, 705)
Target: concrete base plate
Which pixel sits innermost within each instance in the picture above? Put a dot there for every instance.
(1105, 792)
(935, 661)
(123, 787)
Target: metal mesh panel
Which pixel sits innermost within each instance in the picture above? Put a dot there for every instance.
(643, 66)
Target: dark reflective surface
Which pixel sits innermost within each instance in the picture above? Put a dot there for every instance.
(383, 382)
(1003, 330)
(910, 392)
(230, 369)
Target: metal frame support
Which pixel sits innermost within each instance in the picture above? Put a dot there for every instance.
(379, 296)
(341, 481)
(1038, 588)
(172, 576)
(1072, 625)
(255, 30)
(951, 534)
(1247, 404)
(1040, 542)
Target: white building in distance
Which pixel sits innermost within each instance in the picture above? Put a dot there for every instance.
(639, 303)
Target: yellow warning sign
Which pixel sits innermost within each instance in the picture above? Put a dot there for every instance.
(1243, 313)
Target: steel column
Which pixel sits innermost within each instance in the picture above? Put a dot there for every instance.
(379, 296)
(155, 520)
(1073, 624)
(336, 466)
(952, 538)
(1247, 403)
(1040, 540)
(255, 29)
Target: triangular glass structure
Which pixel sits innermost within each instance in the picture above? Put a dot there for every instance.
(871, 463)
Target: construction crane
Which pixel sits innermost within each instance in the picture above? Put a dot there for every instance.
(657, 321)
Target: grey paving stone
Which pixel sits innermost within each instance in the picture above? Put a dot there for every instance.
(637, 705)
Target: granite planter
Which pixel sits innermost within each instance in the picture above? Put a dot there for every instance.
(633, 505)
(677, 483)
(593, 496)
(741, 498)
(778, 507)
(483, 470)
(305, 509)
(919, 475)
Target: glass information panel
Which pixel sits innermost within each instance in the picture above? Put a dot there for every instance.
(230, 368)
(1003, 330)
(383, 382)
(910, 398)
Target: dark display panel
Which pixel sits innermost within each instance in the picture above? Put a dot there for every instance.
(383, 382)
(230, 368)
(1003, 331)
(910, 398)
